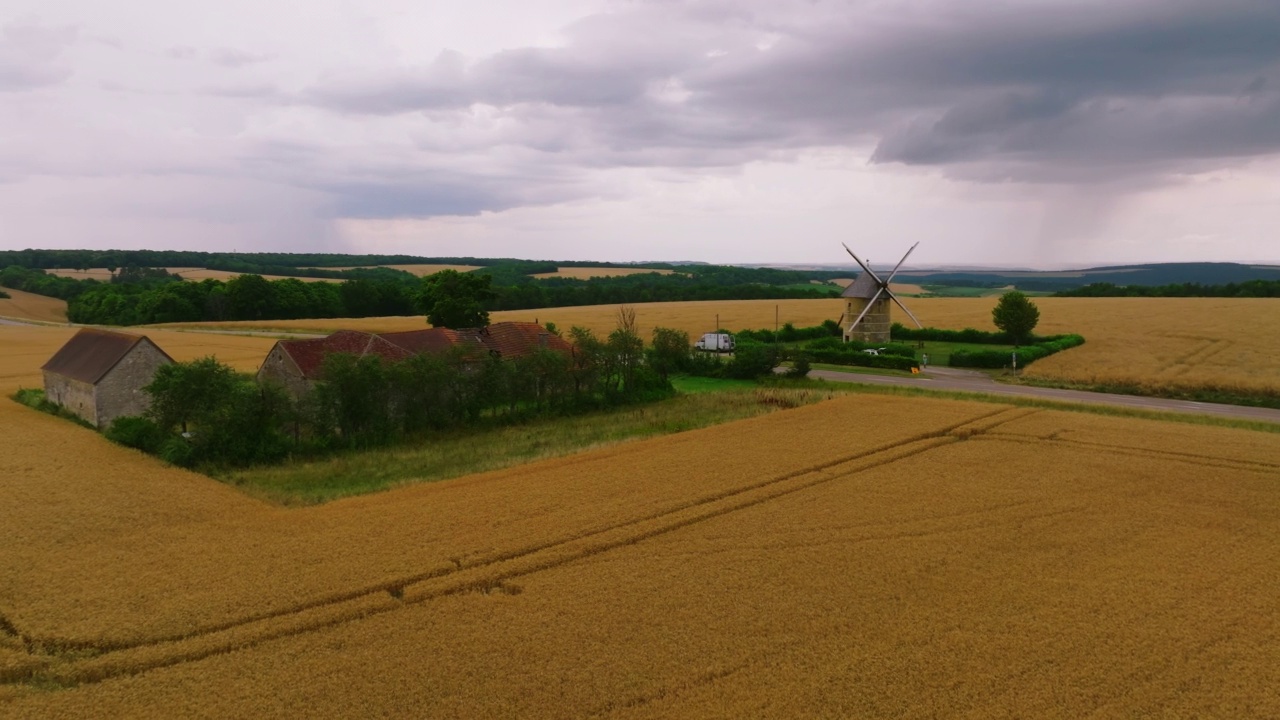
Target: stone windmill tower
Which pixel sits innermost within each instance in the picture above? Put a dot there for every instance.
(867, 304)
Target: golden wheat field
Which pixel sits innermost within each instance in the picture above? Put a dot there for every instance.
(868, 556)
(584, 273)
(29, 306)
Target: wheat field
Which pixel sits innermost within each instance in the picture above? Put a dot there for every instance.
(29, 306)
(585, 273)
(868, 556)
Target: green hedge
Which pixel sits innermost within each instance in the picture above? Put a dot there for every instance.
(1027, 354)
(860, 359)
(967, 335)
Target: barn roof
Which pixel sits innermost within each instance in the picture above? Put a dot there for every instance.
(433, 340)
(91, 353)
(863, 287)
(517, 339)
(309, 354)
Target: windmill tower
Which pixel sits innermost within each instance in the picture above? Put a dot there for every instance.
(867, 304)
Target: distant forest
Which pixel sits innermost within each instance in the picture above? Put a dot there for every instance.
(1247, 289)
(142, 295)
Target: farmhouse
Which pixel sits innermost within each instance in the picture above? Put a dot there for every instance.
(99, 374)
(296, 364)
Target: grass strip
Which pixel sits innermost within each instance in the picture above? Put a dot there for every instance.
(442, 455)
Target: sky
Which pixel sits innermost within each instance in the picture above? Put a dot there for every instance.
(1031, 133)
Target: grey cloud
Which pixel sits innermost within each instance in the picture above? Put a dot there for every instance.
(1030, 92)
(30, 56)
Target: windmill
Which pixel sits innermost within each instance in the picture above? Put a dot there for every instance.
(867, 303)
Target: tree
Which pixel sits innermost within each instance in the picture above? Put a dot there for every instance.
(455, 300)
(1016, 315)
(669, 352)
(188, 392)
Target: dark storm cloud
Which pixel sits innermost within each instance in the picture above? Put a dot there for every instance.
(1060, 92)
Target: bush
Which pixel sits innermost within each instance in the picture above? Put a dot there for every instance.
(177, 451)
(136, 432)
(751, 361)
(800, 366)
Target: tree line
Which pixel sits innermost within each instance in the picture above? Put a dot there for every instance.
(1246, 289)
(138, 296)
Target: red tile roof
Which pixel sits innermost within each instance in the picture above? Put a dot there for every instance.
(517, 339)
(91, 353)
(309, 355)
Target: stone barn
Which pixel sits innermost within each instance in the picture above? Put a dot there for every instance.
(99, 374)
(296, 364)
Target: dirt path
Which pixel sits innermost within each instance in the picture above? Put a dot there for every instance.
(957, 380)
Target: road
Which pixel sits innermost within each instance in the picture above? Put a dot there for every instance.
(956, 380)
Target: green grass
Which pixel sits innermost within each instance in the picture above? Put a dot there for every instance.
(439, 456)
(940, 352)
(691, 384)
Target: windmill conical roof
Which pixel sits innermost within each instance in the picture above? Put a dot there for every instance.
(864, 287)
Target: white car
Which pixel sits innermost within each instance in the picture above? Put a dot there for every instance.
(873, 351)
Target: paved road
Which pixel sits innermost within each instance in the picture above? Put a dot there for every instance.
(954, 379)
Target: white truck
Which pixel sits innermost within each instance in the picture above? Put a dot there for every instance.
(715, 342)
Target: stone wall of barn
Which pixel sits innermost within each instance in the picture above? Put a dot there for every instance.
(280, 369)
(73, 395)
(119, 392)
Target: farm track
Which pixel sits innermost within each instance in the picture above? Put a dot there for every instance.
(1193, 458)
(67, 664)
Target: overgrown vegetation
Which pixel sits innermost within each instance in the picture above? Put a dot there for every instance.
(34, 398)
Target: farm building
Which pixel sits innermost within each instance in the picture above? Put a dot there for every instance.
(516, 339)
(435, 340)
(505, 339)
(100, 375)
(296, 364)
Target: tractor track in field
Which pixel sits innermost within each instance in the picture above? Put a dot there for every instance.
(77, 663)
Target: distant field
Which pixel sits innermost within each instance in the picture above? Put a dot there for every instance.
(583, 273)
(864, 556)
(29, 306)
(188, 273)
(419, 270)
(693, 317)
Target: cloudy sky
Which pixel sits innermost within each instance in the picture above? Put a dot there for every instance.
(1041, 133)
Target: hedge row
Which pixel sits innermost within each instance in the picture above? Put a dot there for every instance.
(1027, 354)
(832, 343)
(860, 359)
(967, 335)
